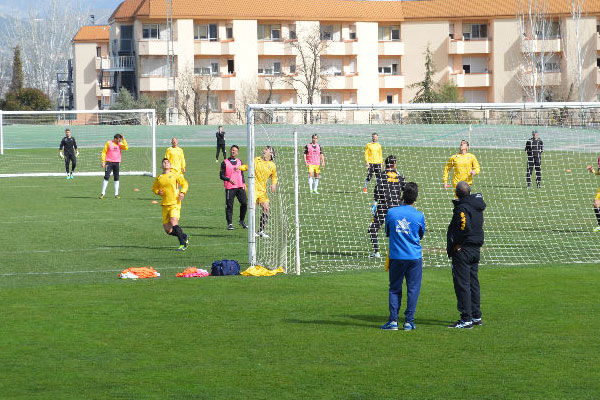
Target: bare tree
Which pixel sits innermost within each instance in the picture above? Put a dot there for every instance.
(44, 37)
(581, 48)
(309, 77)
(536, 53)
(204, 85)
(247, 94)
(4, 77)
(194, 96)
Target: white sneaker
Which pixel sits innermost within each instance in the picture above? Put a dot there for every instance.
(262, 235)
(375, 254)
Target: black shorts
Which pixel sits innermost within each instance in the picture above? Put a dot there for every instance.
(111, 167)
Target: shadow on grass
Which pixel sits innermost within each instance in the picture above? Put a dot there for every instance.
(382, 319)
(170, 248)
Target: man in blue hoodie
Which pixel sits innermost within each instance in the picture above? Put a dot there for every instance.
(464, 241)
(405, 226)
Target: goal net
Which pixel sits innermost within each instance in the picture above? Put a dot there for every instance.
(30, 141)
(523, 225)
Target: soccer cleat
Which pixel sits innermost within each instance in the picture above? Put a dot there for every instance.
(365, 190)
(390, 326)
(262, 235)
(476, 322)
(460, 324)
(117, 196)
(409, 326)
(101, 196)
(230, 227)
(315, 191)
(68, 177)
(375, 254)
(181, 247)
(217, 160)
(596, 229)
(72, 176)
(243, 225)
(187, 240)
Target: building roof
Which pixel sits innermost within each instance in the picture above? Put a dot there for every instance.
(92, 33)
(438, 9)
(337, 10)
(304, 10)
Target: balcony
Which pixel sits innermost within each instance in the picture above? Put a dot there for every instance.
(340, 48)
(391, 48)
(276, 48)
(391, 81)
(220, 47)
(550, 45)
(217, 82)
(155, 47)
(279, 82)
(341, 82)
(153, 83)
(472, 80)
(118, 63)
(547, 79)
(473, 46)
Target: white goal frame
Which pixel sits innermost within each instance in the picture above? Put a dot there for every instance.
(253, 109)
(152, 112)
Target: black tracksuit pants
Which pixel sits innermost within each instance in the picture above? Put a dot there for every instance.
(70, 159)
(230, 195)
(534, 162)
(221, 147)
(465, 268)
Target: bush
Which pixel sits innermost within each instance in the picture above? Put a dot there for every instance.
(27, 99)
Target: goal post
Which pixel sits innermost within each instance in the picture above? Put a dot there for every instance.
(329, 231)
(29, 141)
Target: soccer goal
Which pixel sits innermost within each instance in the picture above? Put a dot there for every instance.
(30, 140)
(523, 224)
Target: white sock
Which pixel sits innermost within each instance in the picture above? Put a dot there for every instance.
(104, 185)
(310, 182)
(316, 183)
(116, 188)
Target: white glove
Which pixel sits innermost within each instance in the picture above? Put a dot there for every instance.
(61, 156)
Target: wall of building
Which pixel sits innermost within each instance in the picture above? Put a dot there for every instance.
(85, 76)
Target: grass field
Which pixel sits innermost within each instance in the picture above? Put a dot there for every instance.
(69, 329)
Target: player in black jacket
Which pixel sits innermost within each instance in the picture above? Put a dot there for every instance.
(534, 148)
(464, 241)
(71, 152)
(220, 134)
(387, 194)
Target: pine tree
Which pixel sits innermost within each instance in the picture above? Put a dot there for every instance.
(426, 92)
(16, 83)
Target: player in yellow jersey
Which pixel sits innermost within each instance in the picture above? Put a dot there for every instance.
(176, 157)
(264, 169)
(167, 185)
(373, 159)
(464, 164)
(597, 198)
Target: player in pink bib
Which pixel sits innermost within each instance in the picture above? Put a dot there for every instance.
(235, 186)
(111, 160)
(313, 159)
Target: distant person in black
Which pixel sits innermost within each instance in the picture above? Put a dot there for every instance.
(220, 134)
(387, 194)
(463, 245)
(71, 152)
(534, 148)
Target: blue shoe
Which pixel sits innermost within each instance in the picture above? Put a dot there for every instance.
(390, 326)
(409, 326)
(460, 324)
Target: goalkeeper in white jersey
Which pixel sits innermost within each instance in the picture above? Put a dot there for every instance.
(388, 193)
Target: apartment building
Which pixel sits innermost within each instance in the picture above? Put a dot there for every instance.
(368, 52)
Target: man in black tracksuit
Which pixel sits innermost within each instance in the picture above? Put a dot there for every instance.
(464, 241)
(71, 152)
(220, 134)
(534, 148)
(388, 193)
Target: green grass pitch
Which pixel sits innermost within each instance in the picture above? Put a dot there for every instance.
(69, 329)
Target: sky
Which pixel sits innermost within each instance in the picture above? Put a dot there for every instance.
(102, 8)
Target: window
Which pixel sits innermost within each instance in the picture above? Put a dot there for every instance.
(230, 69)
(126, 38)
(151, 31)
(331, 98)
(326, 32)
(352, 66)
(269, 32)
(598, 62)
(598, 29)
(391, 32)
(352, 32)
(474, 31)
(98, 51)
(229, 32)
(326, 99)
(451, 31)
(213, 102)
(206, 66)
(277, 68)
(206, 32)
(293, 32)
(292, 68)
(154, 66)
(389, 99)
(388, 66)
(474, 65)
(268, 66)
(331, 66)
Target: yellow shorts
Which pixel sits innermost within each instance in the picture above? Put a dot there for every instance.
(261, 197)
(598, 194)
(171, 211)
(314, 169)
